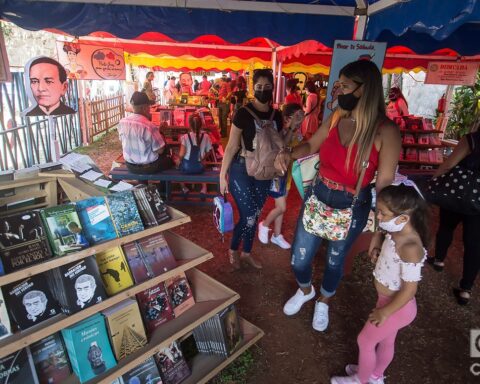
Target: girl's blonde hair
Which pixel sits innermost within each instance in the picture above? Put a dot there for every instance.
(370, 108)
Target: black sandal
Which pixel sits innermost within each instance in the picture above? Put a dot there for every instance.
(463, 296)
(437, 265)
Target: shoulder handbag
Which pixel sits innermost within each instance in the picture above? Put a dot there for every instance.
(331, 223)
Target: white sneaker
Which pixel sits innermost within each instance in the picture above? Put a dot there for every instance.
(263, 233)
(294, 304)
(320, 317)
(345, 380)
(352, 369)
(280, 241)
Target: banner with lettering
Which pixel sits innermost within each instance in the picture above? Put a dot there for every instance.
(91, 62)
(451, 73)
(344, 52)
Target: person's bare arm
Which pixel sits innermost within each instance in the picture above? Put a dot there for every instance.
(459, 153)
(230, 151)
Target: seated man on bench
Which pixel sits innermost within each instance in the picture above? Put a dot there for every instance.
(144, 148)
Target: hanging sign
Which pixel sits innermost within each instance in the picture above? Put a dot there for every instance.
(91, 62)
(451, 73)
(344, 52)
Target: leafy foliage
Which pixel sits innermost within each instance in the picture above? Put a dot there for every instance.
(465, 110)
(237, 371)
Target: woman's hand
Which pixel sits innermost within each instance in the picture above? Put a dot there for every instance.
(282, 161)
(223, 185)
(377, 317)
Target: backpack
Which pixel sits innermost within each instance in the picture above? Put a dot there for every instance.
(260, 161)
(193, 165)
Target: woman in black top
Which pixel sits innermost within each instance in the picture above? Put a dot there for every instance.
(466, 154)
(249, 194)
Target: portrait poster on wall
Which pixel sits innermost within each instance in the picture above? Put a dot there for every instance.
(91, 62)
(344, 52)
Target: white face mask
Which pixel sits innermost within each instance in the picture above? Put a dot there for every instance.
(390, 225)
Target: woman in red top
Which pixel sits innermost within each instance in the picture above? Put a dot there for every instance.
(293, 96)
(343, 141)
(312, 107)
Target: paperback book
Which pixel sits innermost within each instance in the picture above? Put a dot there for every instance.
(77, 285)
(50, 359)
(18, 368)
(151, 206)
(141, 271)
(95, 219)
(114, 270)
(124, 213)
(145, 373)
(180, 294)
(5, 328)
(155, 307)
(231, 333)
(23, 241)
(125, 327)
(88, 347)
(157, 254)
(30, 301)
(63, 229)
(172, 365)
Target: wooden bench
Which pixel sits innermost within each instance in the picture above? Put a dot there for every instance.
(167, 178)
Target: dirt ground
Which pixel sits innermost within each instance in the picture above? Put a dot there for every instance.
(434, 349)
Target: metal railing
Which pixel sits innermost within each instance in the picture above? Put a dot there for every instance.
(25, 141)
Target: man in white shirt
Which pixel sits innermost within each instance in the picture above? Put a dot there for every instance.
(143, 145)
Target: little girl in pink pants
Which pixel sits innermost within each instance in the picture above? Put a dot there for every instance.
(399, 255)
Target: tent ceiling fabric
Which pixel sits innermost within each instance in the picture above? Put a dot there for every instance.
(181, 24)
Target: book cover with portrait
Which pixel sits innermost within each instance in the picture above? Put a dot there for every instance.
(18, 368)
(88, 347)
(173, 367)
(114, 270)
(30, 301)
(51, 360)
(77, 285)
(5, 328)
(64, 230)
(23, 241)
(124, 213)
(155, 306)
(95, 219)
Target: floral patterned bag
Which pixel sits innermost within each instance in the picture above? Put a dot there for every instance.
(330, 223)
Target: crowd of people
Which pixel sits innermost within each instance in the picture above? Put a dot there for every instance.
(358, 147)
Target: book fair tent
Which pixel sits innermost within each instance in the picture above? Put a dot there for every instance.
(230, 34)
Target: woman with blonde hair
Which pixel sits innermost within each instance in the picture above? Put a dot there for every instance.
(357, 134)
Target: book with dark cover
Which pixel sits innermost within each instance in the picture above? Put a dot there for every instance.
(155, 307)
(136, 261)
(125, 327)
(29, 301)
(23, 241)
(77, 285)
(51, 361)
(5, 329)
(145, 373)
(89, 348)
(6, 176)
(230, 327)
(157, 254)
(124, 213)
(173, 367)
(95, 219)
(18, 368)
(180, 294)
(114, 270)
(154, 210)
(63, 229)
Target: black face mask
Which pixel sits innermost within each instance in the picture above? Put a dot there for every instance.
(264, 96)
(349, 101)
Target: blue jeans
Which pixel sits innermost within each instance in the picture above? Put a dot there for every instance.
(305, 245)
(249, 195)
